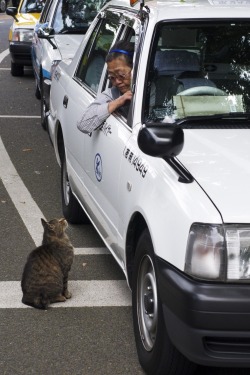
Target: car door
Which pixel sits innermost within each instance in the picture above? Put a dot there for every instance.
(103, 153)
(79, 91)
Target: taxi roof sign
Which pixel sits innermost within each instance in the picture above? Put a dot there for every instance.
(133, 2)
(142, 2)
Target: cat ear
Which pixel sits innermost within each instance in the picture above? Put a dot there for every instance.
(44, 223)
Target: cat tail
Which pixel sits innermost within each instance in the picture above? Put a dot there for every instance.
(40, 302)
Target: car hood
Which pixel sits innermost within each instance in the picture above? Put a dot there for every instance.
(27, 20)
(68, 44)
(219, 160)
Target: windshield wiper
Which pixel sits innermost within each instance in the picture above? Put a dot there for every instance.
(75, 30)
(222, 117)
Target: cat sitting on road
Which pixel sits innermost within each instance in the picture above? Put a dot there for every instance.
(45, 274)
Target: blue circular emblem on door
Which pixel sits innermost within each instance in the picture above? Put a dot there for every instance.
(98, 167)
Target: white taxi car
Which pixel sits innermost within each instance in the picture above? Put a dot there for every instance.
(168, 187)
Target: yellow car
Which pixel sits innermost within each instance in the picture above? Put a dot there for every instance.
(21, 33)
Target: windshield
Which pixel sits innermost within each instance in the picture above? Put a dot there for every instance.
(32, 6)
(199, 70)
(75, 16)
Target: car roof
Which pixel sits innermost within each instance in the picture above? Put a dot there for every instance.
(191, 9)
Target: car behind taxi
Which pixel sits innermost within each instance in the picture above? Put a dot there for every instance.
(21, 33)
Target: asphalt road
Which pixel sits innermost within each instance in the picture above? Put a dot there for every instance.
(92, 333)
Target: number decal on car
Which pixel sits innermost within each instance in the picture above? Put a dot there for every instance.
(136, 161)
(98, 167)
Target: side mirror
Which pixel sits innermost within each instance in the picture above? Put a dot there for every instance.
(161, 140)
(46, 33)
(12, 11)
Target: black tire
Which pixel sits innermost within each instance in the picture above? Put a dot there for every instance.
(44, 109)
(156, 353)
(16, 70)
(71, 208)
(37, 92)
(3, 6)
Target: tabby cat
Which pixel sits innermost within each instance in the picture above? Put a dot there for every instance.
(45, 274)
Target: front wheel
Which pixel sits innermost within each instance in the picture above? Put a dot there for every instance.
(37, 92)
(71, 208)
(2, 5)
(16, 70)
(156, 353)
(44, 109)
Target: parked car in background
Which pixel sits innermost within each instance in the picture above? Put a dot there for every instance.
(21, 33)
(57, 35)
(168, 187)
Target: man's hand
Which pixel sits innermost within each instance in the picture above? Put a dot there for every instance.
(119, 102)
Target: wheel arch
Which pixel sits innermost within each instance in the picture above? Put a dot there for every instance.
(40, 75)
(136, 227)
(59, 142)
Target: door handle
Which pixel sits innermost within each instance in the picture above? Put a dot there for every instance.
(65, 101)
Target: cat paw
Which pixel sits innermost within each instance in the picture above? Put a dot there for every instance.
(67, 294)
(59, 298)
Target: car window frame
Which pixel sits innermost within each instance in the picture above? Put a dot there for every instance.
(128, 20)
(47, 7)
(88, 50)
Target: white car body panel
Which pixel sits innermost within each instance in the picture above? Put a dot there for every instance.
(202, 156)
(194, 203)
(66, 49)
(220, 162)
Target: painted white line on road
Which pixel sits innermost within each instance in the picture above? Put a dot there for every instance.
(26, 206)
(91, 251)
(92, 293)
(18, 116)
(4, 68)
(20, 196)
(4, 54)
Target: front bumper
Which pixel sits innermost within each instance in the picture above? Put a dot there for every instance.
(21, 53)
(209, 323)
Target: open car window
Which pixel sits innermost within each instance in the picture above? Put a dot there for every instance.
(92, 61)
(198, 70)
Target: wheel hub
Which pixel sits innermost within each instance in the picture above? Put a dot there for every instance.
(149, 301)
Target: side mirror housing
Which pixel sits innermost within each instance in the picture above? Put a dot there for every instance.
(45, 32)
(12, 11)
(164, 141)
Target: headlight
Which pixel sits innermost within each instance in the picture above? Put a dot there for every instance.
(22, 35)
(238, 252)
(218, 252)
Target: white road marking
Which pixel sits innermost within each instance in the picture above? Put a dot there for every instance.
(91, 251)
(4, 54)
(26, 206)
(85, 293)
(20, 196)
(18, 116)
(92, 293)
(4, 68)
